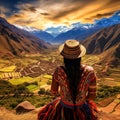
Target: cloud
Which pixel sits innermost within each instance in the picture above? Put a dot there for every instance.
(3, 11)
(17, 15)
(26, 7)
(62, 8)
(46, 14)
(32, 9)
(103, 15)
(41, 13)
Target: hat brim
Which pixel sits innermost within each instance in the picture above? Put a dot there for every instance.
(82, 49)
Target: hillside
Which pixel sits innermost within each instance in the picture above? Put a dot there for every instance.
(103, 40)
(107, 43)
(14, 41)
(43, 35)
(112, 55)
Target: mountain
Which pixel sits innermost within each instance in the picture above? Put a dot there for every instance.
(107, 42)
(41, 34)
(79, 33)
(14, 41)
(106, 22)
(103, 40)
(55, 31)
(82, 31)
(112, 55)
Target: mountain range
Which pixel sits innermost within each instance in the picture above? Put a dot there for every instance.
(77, 30)
(38, 33)
(14, 41)
(106, 41)
(102, 23)
(82, 31)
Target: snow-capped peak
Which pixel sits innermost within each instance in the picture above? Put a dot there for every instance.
(26, 28)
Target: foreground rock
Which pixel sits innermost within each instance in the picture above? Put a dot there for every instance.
(24, 107)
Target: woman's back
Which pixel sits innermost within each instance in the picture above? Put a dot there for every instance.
(86, 84)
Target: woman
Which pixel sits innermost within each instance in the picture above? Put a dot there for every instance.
(77, 84)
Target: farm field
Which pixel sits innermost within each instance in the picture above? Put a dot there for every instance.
(29, 78)
(33, 73)
(40, 67)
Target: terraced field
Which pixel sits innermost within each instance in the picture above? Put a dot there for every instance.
(33, 67)
(36, 71)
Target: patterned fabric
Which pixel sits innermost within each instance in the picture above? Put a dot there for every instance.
(63, 108)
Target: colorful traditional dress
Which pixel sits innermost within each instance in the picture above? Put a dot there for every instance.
(62, 108)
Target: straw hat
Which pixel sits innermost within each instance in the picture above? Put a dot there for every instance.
(72, 49)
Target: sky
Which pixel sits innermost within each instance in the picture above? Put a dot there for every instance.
(42, 14)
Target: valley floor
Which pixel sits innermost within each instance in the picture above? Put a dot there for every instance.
(38, 69)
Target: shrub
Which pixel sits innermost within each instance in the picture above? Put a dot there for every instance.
(49, 82)
(35, 83)
(41, 91)
(107, 91)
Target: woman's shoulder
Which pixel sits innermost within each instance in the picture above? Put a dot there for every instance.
(59, 69)
(89, 72)
(88, 68)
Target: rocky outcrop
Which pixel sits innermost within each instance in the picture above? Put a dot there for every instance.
(24, 107)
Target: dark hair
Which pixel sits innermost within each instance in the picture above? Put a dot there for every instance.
(73, 71)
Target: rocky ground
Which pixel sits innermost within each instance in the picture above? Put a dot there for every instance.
(109, 109)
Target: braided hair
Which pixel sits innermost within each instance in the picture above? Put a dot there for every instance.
(74, 72)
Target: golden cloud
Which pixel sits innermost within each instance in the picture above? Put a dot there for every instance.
(41, 14)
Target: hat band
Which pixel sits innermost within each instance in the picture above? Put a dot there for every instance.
(70, 56)
(71, 52)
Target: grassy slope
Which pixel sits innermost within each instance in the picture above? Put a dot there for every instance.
(8, 69)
